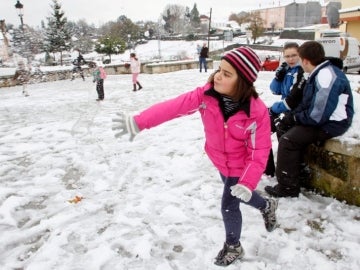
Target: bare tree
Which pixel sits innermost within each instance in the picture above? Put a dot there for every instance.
(256, 25)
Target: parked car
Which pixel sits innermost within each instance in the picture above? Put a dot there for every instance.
(270, 64)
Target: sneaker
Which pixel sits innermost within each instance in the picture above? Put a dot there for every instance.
(269, 214)
(278, 191)
(229, 254)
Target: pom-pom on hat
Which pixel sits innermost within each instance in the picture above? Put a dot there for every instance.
(245, 61)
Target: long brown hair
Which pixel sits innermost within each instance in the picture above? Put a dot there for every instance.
(245, 90)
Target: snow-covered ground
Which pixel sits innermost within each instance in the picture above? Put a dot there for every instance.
(153, 203)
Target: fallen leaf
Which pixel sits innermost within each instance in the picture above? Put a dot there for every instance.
(76, 199)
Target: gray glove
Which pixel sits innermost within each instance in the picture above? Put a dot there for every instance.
(125, 124)
(242, 192)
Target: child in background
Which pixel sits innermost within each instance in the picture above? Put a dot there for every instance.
(237, 139)
(77, 66)
(22, 75)
(135, 66)
(99, 75)
(288, 76)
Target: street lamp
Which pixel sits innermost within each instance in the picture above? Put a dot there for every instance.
(161, 23)
(209, 29)
(19, 8)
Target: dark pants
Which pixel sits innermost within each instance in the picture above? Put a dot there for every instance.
(202, 62)
(79, 70)
(100, 88)
(270, 165)
(230, 209)
(291, 153)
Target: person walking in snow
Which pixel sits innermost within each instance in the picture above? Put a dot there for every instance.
(287, 76)
(135, 67)
(22, 76)
(237, 139)
(204, 53)
(198, 49)
(77, 67)
(99, 75)
(326, 110)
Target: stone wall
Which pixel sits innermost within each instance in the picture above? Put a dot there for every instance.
(42, 76)
(335, 170)
(155, 68)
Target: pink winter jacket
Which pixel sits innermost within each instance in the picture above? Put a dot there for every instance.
(238, 147)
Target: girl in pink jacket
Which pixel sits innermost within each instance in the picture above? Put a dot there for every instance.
(237, 133)
(135, 67)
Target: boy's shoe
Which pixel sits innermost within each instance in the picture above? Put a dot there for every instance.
(269, 214)
(279, 191)
(229, 254)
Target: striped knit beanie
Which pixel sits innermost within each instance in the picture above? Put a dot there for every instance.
(245, 61)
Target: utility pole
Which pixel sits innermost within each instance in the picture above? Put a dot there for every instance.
(209, 29)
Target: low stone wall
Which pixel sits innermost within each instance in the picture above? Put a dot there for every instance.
(66, 73)
(335, 170)
(42, 76)
(156, 68)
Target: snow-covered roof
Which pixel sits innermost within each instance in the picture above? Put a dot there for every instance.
(346, 10)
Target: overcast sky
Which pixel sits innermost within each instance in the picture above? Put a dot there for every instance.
(101, 11)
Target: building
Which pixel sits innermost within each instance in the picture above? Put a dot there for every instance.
(299, 15)
(292, 15)
(350, 17)
(274, 18)
(295, 15)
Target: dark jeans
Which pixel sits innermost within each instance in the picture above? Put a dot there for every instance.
(79, 70)
(270, 165)
(100, 88)
(202, 62)
(291, 153)
(230, 209)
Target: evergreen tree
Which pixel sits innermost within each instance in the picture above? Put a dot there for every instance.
(122, 28)
(110, 45)
(169, 19)
(57, 36)
(27, 42)
(195, 17)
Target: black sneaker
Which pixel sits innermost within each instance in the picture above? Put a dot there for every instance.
(229, 254)
(269, 214)
(277, 191)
